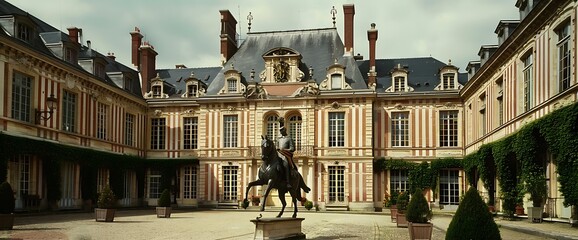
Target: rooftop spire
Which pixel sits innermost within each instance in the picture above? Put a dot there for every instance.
(333, 12)
(249, 19)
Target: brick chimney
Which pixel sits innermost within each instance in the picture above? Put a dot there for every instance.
(136, 42)
(74, 34)
(228, 36)
(348, 12)
(147, 66)
(372, 37)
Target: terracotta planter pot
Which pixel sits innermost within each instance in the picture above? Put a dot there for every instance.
(401, 221)
(420, 230)
(164, 212)
(393, 214)
(6, 221)
(104, 214)
(519, 210)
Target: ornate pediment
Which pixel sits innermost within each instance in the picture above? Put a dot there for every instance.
(281, 66)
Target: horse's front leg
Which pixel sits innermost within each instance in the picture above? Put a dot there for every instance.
(269, 187)
(257, 182)
(283, 203)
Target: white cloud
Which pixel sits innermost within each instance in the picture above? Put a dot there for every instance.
(187, 32)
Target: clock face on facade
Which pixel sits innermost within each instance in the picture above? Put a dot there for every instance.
(281, 71)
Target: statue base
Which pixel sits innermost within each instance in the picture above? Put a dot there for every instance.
(278, 228)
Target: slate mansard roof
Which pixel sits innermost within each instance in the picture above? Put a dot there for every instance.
(318, 47)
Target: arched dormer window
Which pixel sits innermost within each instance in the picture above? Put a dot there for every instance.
(448, 78)
(194, 87)
(281, 66)
(335, 79)
(399, 81)
(157, 88)
(233, 82)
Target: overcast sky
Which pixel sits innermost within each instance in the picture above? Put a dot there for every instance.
(187, 31)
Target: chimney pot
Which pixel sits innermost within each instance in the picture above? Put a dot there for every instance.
(348, 12)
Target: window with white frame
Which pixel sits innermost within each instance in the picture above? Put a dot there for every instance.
(528, 81)
(336, 183)
(190, 132)
(230, 183)
(336, 129)
(398, 180)
(272, 123)
(20, 166)
(158, 128)
(564, 56)
(232, 85)
(400, 129)
(129, 129)
(230, 131)
(154, 183)
(449, 187)
(399, 84)
(192, 90)
(101, 119)
(101, 179)
(336, 81)
(190, 182)
(156, 91)
(68, 111)
(23, 31)
(295, 123)
(448, 81)
(21, 96)
(449, 128)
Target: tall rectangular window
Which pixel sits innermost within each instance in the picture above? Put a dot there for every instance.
(528, 81)
(127, 84)
(230, 183)
(19, 167)
(336, 81)
(68, 111)
(483, 115)
(564, 56)
(158, 128)
(129, 129)
(156, 91)
(230, 131)
(102, 111)
(448, 128)
(190, 182)
(154, 184)
(399, 84)
(192, 90)
(232, 85)
(190, 132)
(295, 130)
(500, 99)
(400, 129)
(21, 96)
(101, 179)
(398, 181)
(336, 183)
(449, 187)
(448, 81)
(272, 122)
(336, 129)
(24, 32)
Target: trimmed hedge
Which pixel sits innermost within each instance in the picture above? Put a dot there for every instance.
(418, 210)
(473, 220)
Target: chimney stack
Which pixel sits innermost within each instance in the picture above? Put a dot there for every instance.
(74, 34)
(348, 12)
(372, 37)
(228, 36)
(136, 41)
(147, 66)
(111, 56)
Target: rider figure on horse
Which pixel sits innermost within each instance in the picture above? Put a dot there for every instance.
(286, 147)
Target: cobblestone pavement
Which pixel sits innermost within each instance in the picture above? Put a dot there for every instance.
(212, 224)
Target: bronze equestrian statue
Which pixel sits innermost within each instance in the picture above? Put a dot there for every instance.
(274, 172)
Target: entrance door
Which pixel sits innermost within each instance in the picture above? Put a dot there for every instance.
(336, 183)
(230, 183)
(449, 187)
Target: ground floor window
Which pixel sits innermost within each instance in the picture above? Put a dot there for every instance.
(190, 182)
(336, 183)
(154, 184)
(230, 183)
(398, 180)
(20, 174)
(101, 179)
(449, 187)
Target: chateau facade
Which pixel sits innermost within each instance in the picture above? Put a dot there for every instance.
(74, 120)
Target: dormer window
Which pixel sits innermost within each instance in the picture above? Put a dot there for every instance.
(449, 78)
(231, 85)
(281, 66)
(23, 32)
(157, 90)
(399, 75)
(194, 87)
(192, 90)
(399, 84)
(336, 81)
(99, 70)
(70, 55)
(127, 85)
(448, 81)
(335, 78)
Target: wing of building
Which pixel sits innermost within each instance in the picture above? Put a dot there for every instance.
(74, 120)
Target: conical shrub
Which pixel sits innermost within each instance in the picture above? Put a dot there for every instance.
(165, 199)
(418, 210)
(473, 220)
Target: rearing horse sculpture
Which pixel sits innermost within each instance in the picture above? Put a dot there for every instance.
(272, 173)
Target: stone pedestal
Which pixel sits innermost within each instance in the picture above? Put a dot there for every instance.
(278, 228)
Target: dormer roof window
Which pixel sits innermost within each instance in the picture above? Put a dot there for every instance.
(335, 78)
(157, 88)
(195, 87)
(449, 78)
(233, 82)
(23, 31)
(399, 75)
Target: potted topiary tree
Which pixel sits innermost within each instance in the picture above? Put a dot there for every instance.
(164, 205)
(308, 205)
(106, 206)
(6, 206)
(418, 215)
(538, 195)
(402, 200)
(393, 205)
(473, 220)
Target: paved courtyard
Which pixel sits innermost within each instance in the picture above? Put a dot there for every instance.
(213, 224)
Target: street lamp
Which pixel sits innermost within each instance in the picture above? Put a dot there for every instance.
(51, 102)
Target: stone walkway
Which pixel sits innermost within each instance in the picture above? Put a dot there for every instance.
(234, 224)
